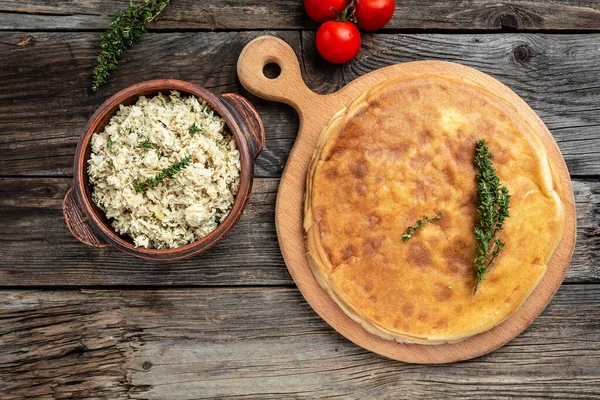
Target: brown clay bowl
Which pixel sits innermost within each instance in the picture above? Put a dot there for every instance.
(89, 224)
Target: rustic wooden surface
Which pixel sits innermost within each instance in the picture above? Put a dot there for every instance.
(264, 344)
(289, 14)
(231, 323)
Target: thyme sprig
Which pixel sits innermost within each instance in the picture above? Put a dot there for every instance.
(125, 29)
(146, 144)
(413, 229)
(168, 172)
(494, 204)
(194, 129)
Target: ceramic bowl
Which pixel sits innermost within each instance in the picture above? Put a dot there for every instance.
(89, 224)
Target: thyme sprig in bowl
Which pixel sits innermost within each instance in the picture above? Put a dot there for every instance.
(88, 222)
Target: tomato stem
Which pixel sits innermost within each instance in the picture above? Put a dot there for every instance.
(347, 14)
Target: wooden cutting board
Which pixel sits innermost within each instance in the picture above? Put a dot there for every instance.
(315, 111)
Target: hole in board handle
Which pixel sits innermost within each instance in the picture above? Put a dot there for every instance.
(272, 70)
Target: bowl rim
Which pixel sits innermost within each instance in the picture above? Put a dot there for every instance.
(97, 122)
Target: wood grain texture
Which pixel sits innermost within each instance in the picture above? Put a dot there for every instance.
(289, 14)
(45, 99)
(265, 344)
(38, 250)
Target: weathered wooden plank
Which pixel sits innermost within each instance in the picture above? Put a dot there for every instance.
(45, 98)
(289, 14)
(37, 249)
(265, 343)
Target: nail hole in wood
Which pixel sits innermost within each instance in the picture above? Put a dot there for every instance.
(272, 70)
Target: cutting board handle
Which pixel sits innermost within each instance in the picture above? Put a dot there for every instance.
(288, 87)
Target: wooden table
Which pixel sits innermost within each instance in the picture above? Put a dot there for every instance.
(78, 322)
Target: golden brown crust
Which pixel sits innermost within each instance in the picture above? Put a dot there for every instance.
(405, 149)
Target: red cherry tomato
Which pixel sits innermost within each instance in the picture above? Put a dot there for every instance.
(338, 42)
(373, 14)
(324, 10)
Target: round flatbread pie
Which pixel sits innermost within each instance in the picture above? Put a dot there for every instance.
(403, 150)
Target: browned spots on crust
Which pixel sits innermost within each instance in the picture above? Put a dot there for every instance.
(374, 220)
(373, 298)
(420, 160)
(442, 292)
(464, 154)
(349, 228)
(373, 154)
(418, 255)
(441, 324)
(372, 244)
(423, 189)
(336, 152)
(329, 255)
(468, 202)
(486, 127)
(423, 317)
(458, 309)
(368, 287)
(320, 214)
(407, 310)
(409, 118)
(397, 152)
(358, 169)
(361, 189)
(330, 173)
(414, 94)
(348, 252)
(536, 260)
(426, 136)
(449, 176)
(446, 221)
(501, 156)
(459, 257)
(450, 143)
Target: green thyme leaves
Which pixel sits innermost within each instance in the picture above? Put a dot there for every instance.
(413, 229)
(146, 144)
(125, 29)
(494, 203)
(194, 129)
(168, 172)
(110, 142)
